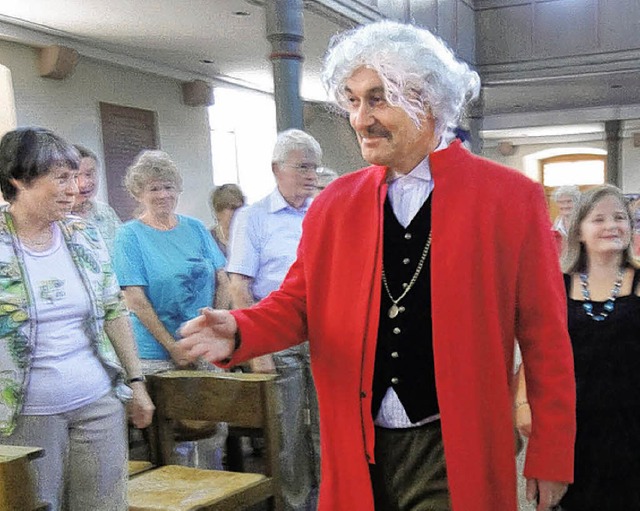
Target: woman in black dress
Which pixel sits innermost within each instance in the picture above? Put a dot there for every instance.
(603, 284)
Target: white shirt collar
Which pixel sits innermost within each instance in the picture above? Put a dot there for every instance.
(278, 202)
(422, 171)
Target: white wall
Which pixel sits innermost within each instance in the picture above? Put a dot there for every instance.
(7, 103)
(71, 108)
(630, 166)
(630, 161)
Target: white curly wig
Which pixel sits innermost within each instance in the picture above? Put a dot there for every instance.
(419, 72)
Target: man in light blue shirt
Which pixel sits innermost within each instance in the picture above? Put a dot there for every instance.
(264, 241)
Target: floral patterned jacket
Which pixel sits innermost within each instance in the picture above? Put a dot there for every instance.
(18, 337)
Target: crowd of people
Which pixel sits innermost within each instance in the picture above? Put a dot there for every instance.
(405, 317)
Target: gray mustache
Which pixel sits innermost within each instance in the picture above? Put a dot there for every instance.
(377, 131)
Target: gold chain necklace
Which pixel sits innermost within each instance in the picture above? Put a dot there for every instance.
(394, 309)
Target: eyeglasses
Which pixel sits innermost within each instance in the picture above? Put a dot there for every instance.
(304, 168)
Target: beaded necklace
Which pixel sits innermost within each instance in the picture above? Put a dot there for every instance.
(609, 305)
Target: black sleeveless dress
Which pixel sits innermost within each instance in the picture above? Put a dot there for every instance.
(607, 366)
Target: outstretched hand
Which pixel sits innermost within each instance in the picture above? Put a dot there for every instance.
(210, 336)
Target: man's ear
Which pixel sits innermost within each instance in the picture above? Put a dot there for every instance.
(18, 185)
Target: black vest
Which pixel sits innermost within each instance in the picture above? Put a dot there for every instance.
(404, 352)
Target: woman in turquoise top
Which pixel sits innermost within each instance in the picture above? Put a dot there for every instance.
(66, 348)
(167, 264)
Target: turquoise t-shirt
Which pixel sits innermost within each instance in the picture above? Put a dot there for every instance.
(176, 268)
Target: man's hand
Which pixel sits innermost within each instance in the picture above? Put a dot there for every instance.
(210, 336)
(549, 493)
(140, 408)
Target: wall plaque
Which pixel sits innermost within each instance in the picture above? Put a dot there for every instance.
(125, 132)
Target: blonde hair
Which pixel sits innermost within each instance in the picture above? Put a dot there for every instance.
(151, 166)
(226, 196)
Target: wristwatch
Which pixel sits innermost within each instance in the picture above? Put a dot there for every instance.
(135, 379)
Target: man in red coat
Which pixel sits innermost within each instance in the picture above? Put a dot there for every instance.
(413, 278)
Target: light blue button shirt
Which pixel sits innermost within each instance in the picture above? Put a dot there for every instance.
(264, 241)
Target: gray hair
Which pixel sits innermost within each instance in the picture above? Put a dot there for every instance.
(29, 153)
(325, 177)
(151, 166)
(575, 257)
(85, 152)
(295, 140)
(571, 191)
(419, 72)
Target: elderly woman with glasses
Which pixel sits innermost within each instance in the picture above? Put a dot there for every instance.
(66, 347)
(169, 268)
(565, 197)
(86, 206)
(167, 264)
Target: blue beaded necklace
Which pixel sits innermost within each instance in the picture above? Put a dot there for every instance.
(609, 305)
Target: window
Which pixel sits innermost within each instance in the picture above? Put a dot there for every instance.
(243, 132)
(573, 169)
(583, 170)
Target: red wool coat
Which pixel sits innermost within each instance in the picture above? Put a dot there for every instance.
(494, 277)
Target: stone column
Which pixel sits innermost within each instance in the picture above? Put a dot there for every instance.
(475, 117)
(614, 150)
(285, 32)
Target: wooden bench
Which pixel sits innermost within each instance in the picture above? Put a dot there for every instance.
(17, 490)
(139, 467)
(242, 400)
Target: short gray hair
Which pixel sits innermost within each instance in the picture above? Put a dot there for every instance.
(295, 140)
(571, 191)
(419, 72)
(85, 152)
(326, 176)
(151, 166)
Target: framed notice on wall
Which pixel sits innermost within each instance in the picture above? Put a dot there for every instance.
(125, 132)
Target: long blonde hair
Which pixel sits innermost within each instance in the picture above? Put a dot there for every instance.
(575, 257)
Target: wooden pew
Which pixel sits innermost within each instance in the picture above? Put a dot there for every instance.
(139, 467)
(17, 489)
(242, 400)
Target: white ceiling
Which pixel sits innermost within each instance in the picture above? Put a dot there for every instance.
(174, 37)
(177, 35)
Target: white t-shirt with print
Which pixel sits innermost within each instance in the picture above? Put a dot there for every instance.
(66, 373)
